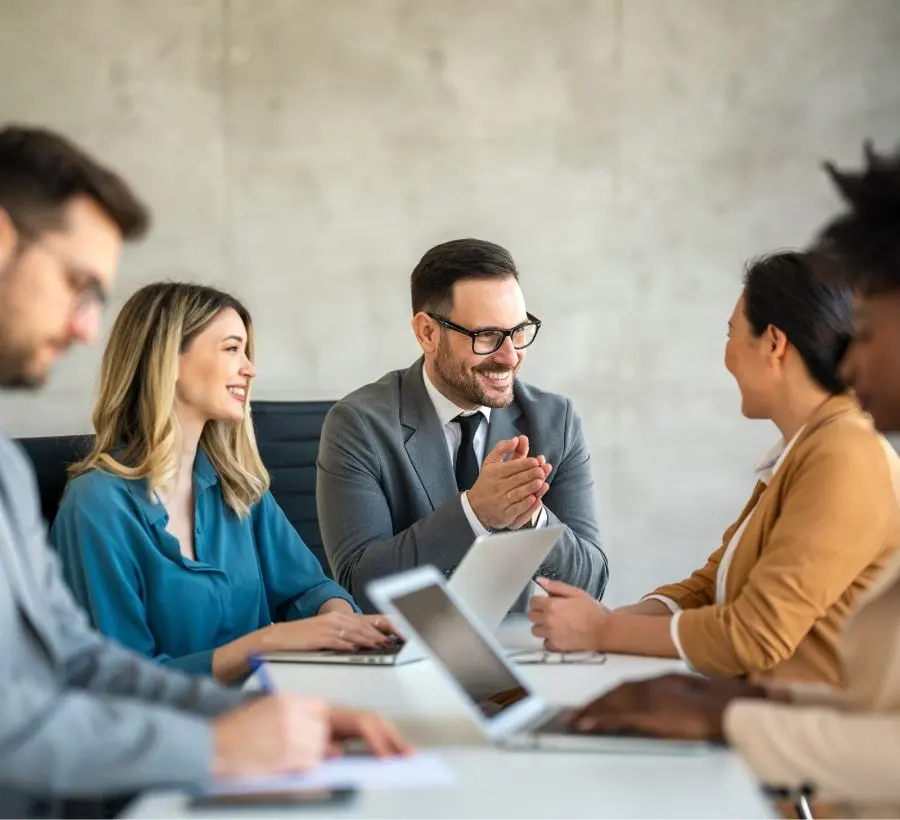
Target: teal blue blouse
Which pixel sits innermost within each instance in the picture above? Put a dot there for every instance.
(128, 572)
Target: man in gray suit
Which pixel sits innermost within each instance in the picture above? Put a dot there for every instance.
(413, 467)
(82, 719)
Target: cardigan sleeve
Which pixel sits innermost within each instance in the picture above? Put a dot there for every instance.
(833, 524)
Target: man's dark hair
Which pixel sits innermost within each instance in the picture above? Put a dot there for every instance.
(40, 172)
(865, 239)
(432, 280)
(792, 292)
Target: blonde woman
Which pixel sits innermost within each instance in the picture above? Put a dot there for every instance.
(168, 534)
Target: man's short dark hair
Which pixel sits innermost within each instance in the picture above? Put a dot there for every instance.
(40, 172)
(865, 238)
(432, 280)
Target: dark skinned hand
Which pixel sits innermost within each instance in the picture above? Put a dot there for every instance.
(685, 707)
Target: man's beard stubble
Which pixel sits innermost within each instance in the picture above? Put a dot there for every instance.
(465, 383)
(14, 358)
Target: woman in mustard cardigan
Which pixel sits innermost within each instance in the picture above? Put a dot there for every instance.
(842, 746)
(819, 527)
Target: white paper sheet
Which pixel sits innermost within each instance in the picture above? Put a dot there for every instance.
(423, 770)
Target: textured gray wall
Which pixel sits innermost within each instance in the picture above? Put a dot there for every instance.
(631, 154)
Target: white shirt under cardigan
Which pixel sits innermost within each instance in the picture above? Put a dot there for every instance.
(447, 411)
(766, 468)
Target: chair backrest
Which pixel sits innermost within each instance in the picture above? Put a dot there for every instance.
(287, 433)
(51, 457)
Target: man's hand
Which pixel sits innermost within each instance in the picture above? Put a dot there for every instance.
(381, 738)
(533, 514)
(684, 707)
(273, 735)
(569, 620)
(509, 491)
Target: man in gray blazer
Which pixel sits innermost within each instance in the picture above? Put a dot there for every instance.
(83, 720)
(414, 466)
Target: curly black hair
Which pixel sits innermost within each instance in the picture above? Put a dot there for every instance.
(865, 239)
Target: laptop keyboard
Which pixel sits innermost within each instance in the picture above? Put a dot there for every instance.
(556, 724)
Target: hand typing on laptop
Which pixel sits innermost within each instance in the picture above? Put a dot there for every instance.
(498, 698)
(339, 629)
(680, 707)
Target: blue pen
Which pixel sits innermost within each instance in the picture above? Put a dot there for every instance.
(259, 668)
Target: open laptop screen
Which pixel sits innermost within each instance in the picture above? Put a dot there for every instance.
(482, 675)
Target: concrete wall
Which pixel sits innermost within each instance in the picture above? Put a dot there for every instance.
(630, 153)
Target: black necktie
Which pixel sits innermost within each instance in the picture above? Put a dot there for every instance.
(466, 460)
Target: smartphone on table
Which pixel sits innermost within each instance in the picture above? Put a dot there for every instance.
(284, 799)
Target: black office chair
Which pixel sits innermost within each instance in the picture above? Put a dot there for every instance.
(51, 457)
(287, 433)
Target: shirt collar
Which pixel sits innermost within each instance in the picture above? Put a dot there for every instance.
(204, 474)
(771, 462)
(447, 410)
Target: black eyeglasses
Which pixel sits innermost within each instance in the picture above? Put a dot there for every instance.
(489, 339)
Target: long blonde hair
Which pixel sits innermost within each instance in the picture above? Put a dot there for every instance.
(134, 415)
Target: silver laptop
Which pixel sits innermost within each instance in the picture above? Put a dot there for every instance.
(493, 573)
(497, 696)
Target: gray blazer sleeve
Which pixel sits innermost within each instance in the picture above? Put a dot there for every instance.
(356, 521)
(578, 558)
(104, 720)
(78, 743)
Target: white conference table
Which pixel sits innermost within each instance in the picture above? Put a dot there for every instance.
(496, 783)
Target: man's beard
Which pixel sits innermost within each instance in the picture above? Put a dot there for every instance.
(15, 376)
(464, 381)
(14, 356)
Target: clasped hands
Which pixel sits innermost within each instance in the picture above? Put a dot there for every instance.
(510, 486)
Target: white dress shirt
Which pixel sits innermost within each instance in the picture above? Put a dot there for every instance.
(447, 411)
(766, 468)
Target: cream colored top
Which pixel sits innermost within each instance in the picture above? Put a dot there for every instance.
(845, 744)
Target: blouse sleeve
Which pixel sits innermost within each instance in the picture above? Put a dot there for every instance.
(296, 586)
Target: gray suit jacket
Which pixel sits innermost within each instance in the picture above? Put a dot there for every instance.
(387, 497)
(79, 715)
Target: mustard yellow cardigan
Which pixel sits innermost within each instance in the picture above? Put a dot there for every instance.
(820, 534)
